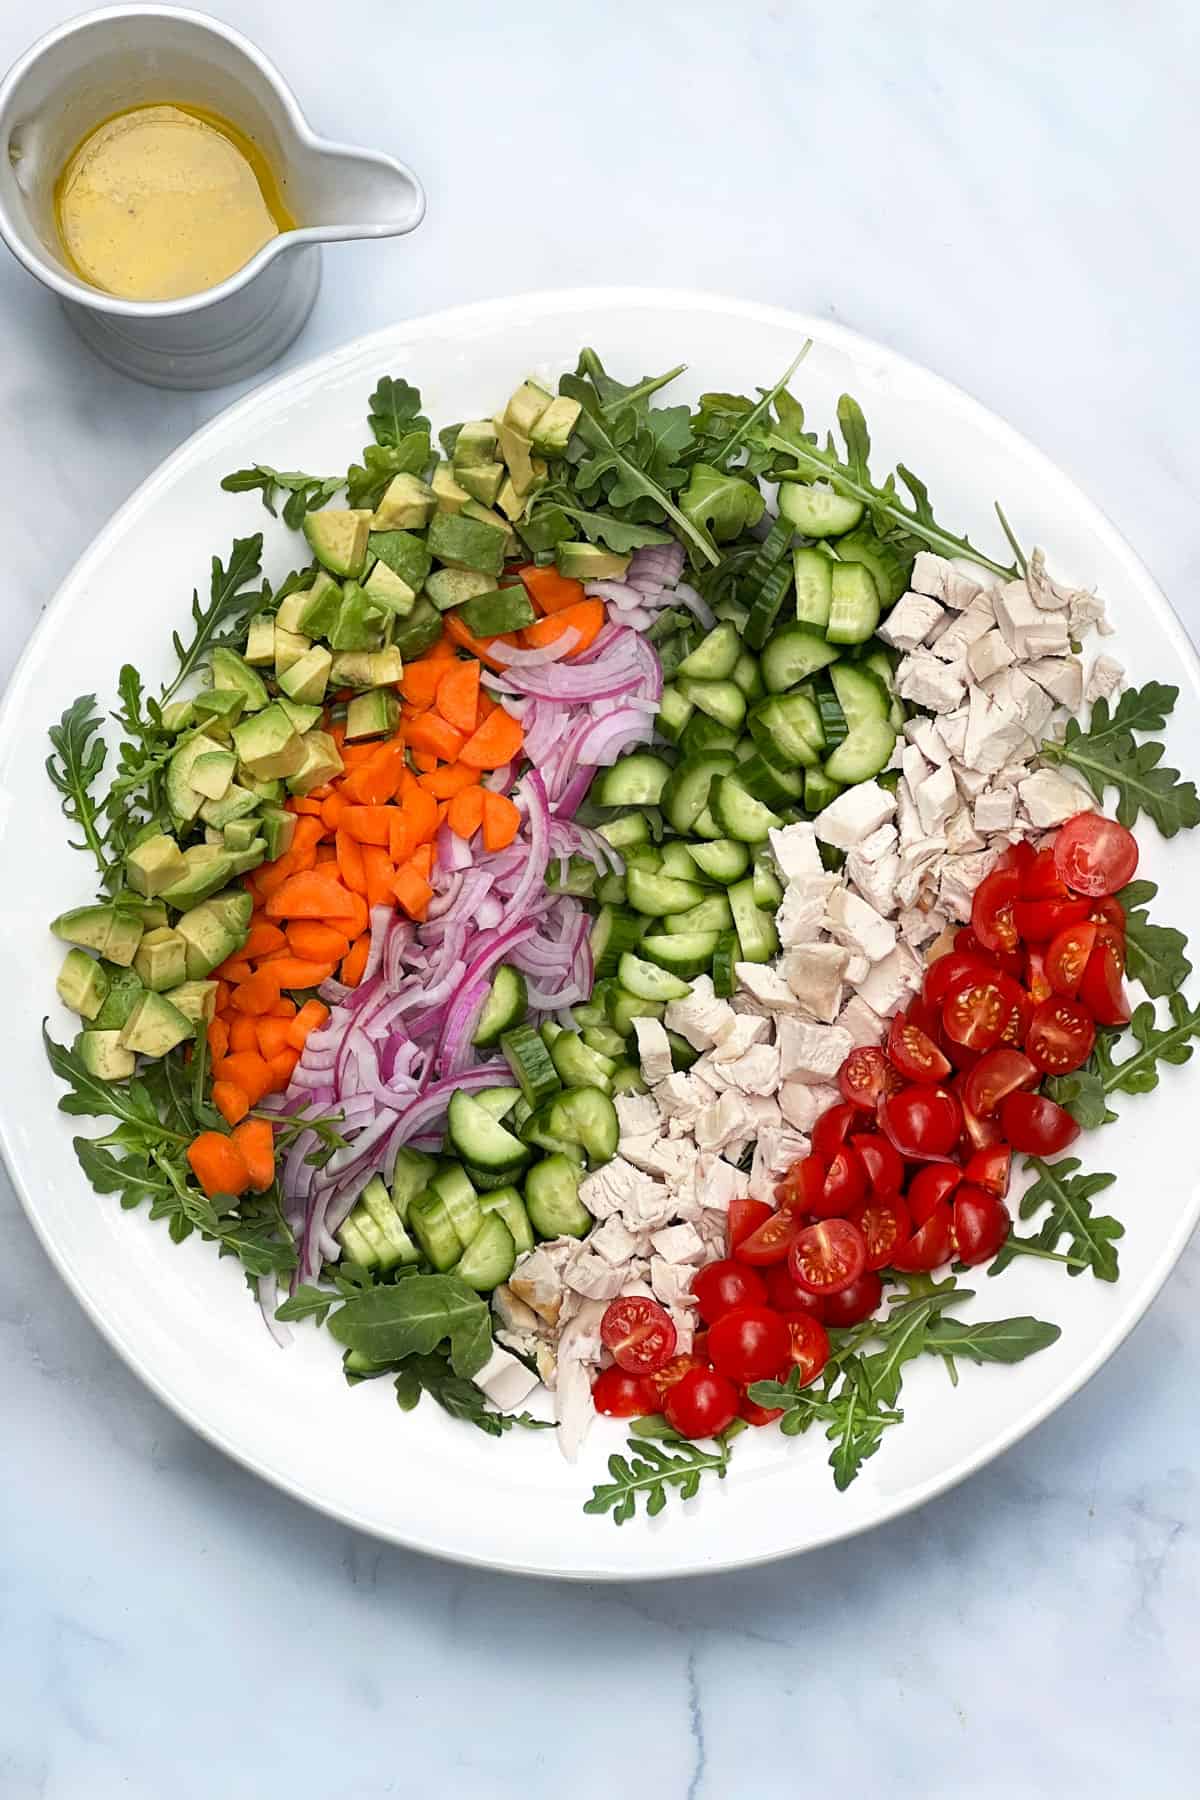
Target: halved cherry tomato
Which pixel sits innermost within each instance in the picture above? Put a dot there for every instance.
(1060, 1036)
(1107, 910)
(992, 918)
(720, 1286)
(978, 1131)
(865, 1076)
(832, 1129)
(882, 1161)
(926, 1018)
(1041, 880)
(975, 1013)
(845, 1186)
(787, 1296)
(1095, 855)
(770, 1242)
(929, 1247)
(1037, 982)
(664, 1379)
(884, 1223)
(990, 1169)
(981, 1223)
(1018, 856)
(944, 974)
(619, 1395)
(809, 1345)
(744, 1217)
(850, 1305)
(801, 1189)
(827, 1257)
(1067, 957)
(1040, 920)
(922, 1122)
(701, 1403)
(1002, 1071)
(1102, 989)
(930, 1188)
(1022, 1010)
(751, 1343)
(1008, 960)
(912, 1054)
(639, 1333)
(1035, 1125)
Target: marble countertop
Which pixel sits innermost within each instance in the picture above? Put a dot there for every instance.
(995, 190)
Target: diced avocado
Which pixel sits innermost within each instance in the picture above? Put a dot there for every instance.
(367, 669)
(321, 763)
(213, 836)
(150, 910)
(588, 562)
(178, 715)
(465, 543)
(405, 554)
(157, 861)
(185, 800)
(420, 631)
(210, 937)
(242, 861)
(155, 1026)
(318, 605)
(82, 984)
(484, 482)
(406, 501)
(527, 406)
(269, 788)
(451, 587)
(219, 709)
(376, 714)
(268, 743)
(475, 444)
(517, 452)
(260, 641)
(357, 626)
(511, 504)
(239, 834)
(308, 678)
(110, 930)
(338, 538)
(208, 868)
(384, 588)
(238, 803)
(552, 431)
(229, 670)
(104, 1056)
(447, 491)
(212, 774)
(124, 991)
(234, 908)
(161, 959)
(291, 613)
(196, 1000)
(279, 828)
(290, 646)
(302, 715)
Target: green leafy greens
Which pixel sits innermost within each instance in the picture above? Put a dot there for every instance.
(304, 492)
(78, 758)
(1107, 755)
(1068, 1195)
(653, 1470)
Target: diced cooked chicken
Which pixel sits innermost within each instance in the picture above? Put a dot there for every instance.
(722, 1123)
(677, 1244)
(1016, 614)
(875, 880)
(701, 1017)
(1050, 798)
(767, 986)
(953, 643)
(743, 1032)
(505, 1380)
(891, 981)
(852, 921)
(854, 815)
(795, 851)
(937, 800)
(815, 972)
(928, 681)
(1087, 610)
(956, 586)
(988, 655)
(802, 909)
(856, 1018)
(538, 1278)
(917, 928)
(1105, 678)
(682, 1097)
(615, 1242)
(802, 1104)
(995, 810)
(1062, 678)
(910, 621)
(513, 1313)
(812, 1052)
(654, 1050)
(594, 1276)
(636, 1114)
(619, 1187)
(924, 734)
(579, 1352)
(755, 1072)
(717, 1183)
(995, 734)
(671, 1280)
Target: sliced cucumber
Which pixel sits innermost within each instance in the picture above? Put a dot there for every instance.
(880, 663)
(768, 890)
(657, 894)
(723, 860)
(712, 914)
(739, 814)
(758, 939)
(490, 1257)
(677, 861)
(507, 1202)
(627, 1079)
(702, 735)
(649, 981)
(480, 1138)
(723, 701)
(793, 654)
(455, 1189)
(862, 695)
(614, 932)
(813, 573)
(603, 1038)
(636, 780)
(774, 787)
(674, 711)
(683, 1054)
(537, 1130)
(787, 730)
(579, 1066)
(684, 953)
(715, 656)
(430, 1223)
(854, 609)
(815, 510)
(748, 676)
(768, 604)
(623, 1008)
(833, 719)
(686, 794)
(586, 1116)
(819, 790)
(866, 751)
(725, 955)
(552, 1199)
(610, 890)
(498, 1102)
(623, 833)
(889, 569)
(412, 1172)
(505, 1006)
(706, 826)
(529, 1060)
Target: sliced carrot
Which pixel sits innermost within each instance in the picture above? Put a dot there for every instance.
(587, 617)
(230, 1101)
(477, 646)
(331, 811)
(326, 855)
(299, 972)
(355, 755)
(441, 650)
(281, 1068)
(223, 994)
(337, 732)
(355, 962)
(550, 591)
(316, 942)
(443, 807)
(307, 806)
(242, 1033)
(420, 680)
(311, 1017)
(458, 696)
(350, 864)
(366, 825)
(422, 861)
(376, 780)
(273, 1035)
(380, 875)
(448, 780)
(423, 761)
(283, 1008)
(435, 735)
(319, 793)
(487, 707)
(466, 812)
(422, 810)
(310, 896)
(501, 820)
(400, 838)
(238, 969)
(262, 939)
(247, 1070)
(497, 742)
(412, 891)
(258, 995)
(307, 835)
(256, 1141)
(218, 1037)
(218, 1164)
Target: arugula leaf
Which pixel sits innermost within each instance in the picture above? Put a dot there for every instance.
(1106, 755)
(990, 1340)
(391, 1323)
(307, 1302)
(1170, 1043)
(1068, 1194)
(366, 481)
(1154, 953)
(395, 411)
(1082, 1095)
(78, 758)
(854, 1417)
(724, 504)
(460, 1397)
(620, 535)
(228, 605)
(90, 1097)
(304, 492)
(729, 420)
(652, 1470)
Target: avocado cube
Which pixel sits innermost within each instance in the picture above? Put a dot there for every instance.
(291, 613)
(279, 828)
(302, 715)
(185, 800)
(157, 861)
(338, 539)
(375, 714)
(242, 861)
(234, 908)
(448, 491)
(406, 501)
(290, 646)
(321, 763)
(196, 1000)
(375, 668)
(484, 482)
(420, 631)
(260, 641)
(212, 774)
(405, 554)
(238, 803)
(517, 451)
(151, 911)
(475, 444)
(588, 562)
(268, 744)
(320, 605)
(230, 671)
(239, 834)
(267, 788)
(104, 1056)
(161, 959)
(511, 504)
(82, 984)
(453, 587)
(308, 678)
(99, 927)
(208, 868)
(551, 433)
(178, 715)
(219, 709)
(463, 542)
(155, 1026)
(358, 624)
(384, 588)
(527, 406)
(124, 990)
(209, 937)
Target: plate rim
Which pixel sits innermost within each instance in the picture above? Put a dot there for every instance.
(859, 348)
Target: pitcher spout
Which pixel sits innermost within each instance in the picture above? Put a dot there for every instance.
(350, 193)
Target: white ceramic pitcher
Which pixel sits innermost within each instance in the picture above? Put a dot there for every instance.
(124, 56)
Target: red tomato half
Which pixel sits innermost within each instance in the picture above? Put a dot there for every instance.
(1037, 981)
(754, 1414)
(914, 1055)
(621, 1396)
(1040, 920)
(945, 973)
(1102, 989)
(1060, 1036)
(832, 1129)
(884, 1224)
(1041, 880)
(981, 1223)
(744, 1216)
(639, 1333)
(1000, 1072)
(975, 1013)
(930, 1188)
(664, 1379)
(721, 1286)
(866, 1076)
(992, 918)
(922, 1122)
(882, 1161)
(854, 1303)
(1095, 855)
(809, 1345)
(750, 1343)
(786, 1295)
(990, 1169)
(802, 1187)
(1067, 957)
(827, 1257)
(1109, 911)
(929, 1247)
(845, 1186)
(701, 1404)
(1035, 1125)
(770, 1242)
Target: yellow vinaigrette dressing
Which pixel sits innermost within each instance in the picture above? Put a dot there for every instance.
(163, 201)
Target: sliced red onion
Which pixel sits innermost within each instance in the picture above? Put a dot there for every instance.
(510, 654)
(661, 563)
(621, 594)
(695, 603)
(608, 738)
(267, 1290)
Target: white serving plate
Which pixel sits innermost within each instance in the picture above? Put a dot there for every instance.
(185, 1321)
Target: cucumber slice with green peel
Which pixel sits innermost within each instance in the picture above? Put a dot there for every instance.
(712, 914)
(833, 719)
(683, 1054)
(589, 1013)
(739, 814)
(768, 889)
(610, 890)
(685, 795)
(723, 701)
(684, 953)
(793, 654)
(536, 1130)
(787, 730)
(454, 1187)
(586, 1116)
(768, 604)
(552, 1199)
(505, 1006)
(642, 856)
(657, 894)
(412, 1173)
(889, 569)
(508, 1204)
(812, 572)
(548, 1030)
(866, 751)
(580, 879)
(430, 1223)
(529, 1060)
(880, 664)
(758, 939)
(497, 1102)
(725, 955)
(676, 861)
(649, 981)
(774, 787)
(628, 1079)
(723, 860)
(703, 735)
(490, 1257)
(487, 1181)
(715, 656)
(674, 711)
(625, 832)
(854, 608)
(623, 1008)
(819, 790)
(748, 676)
(815, 510)
(604, 1039)
(862, 695)
(614, 932)
(637, 780)
(579, 1066)
(706, 826)
(480, 1138)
